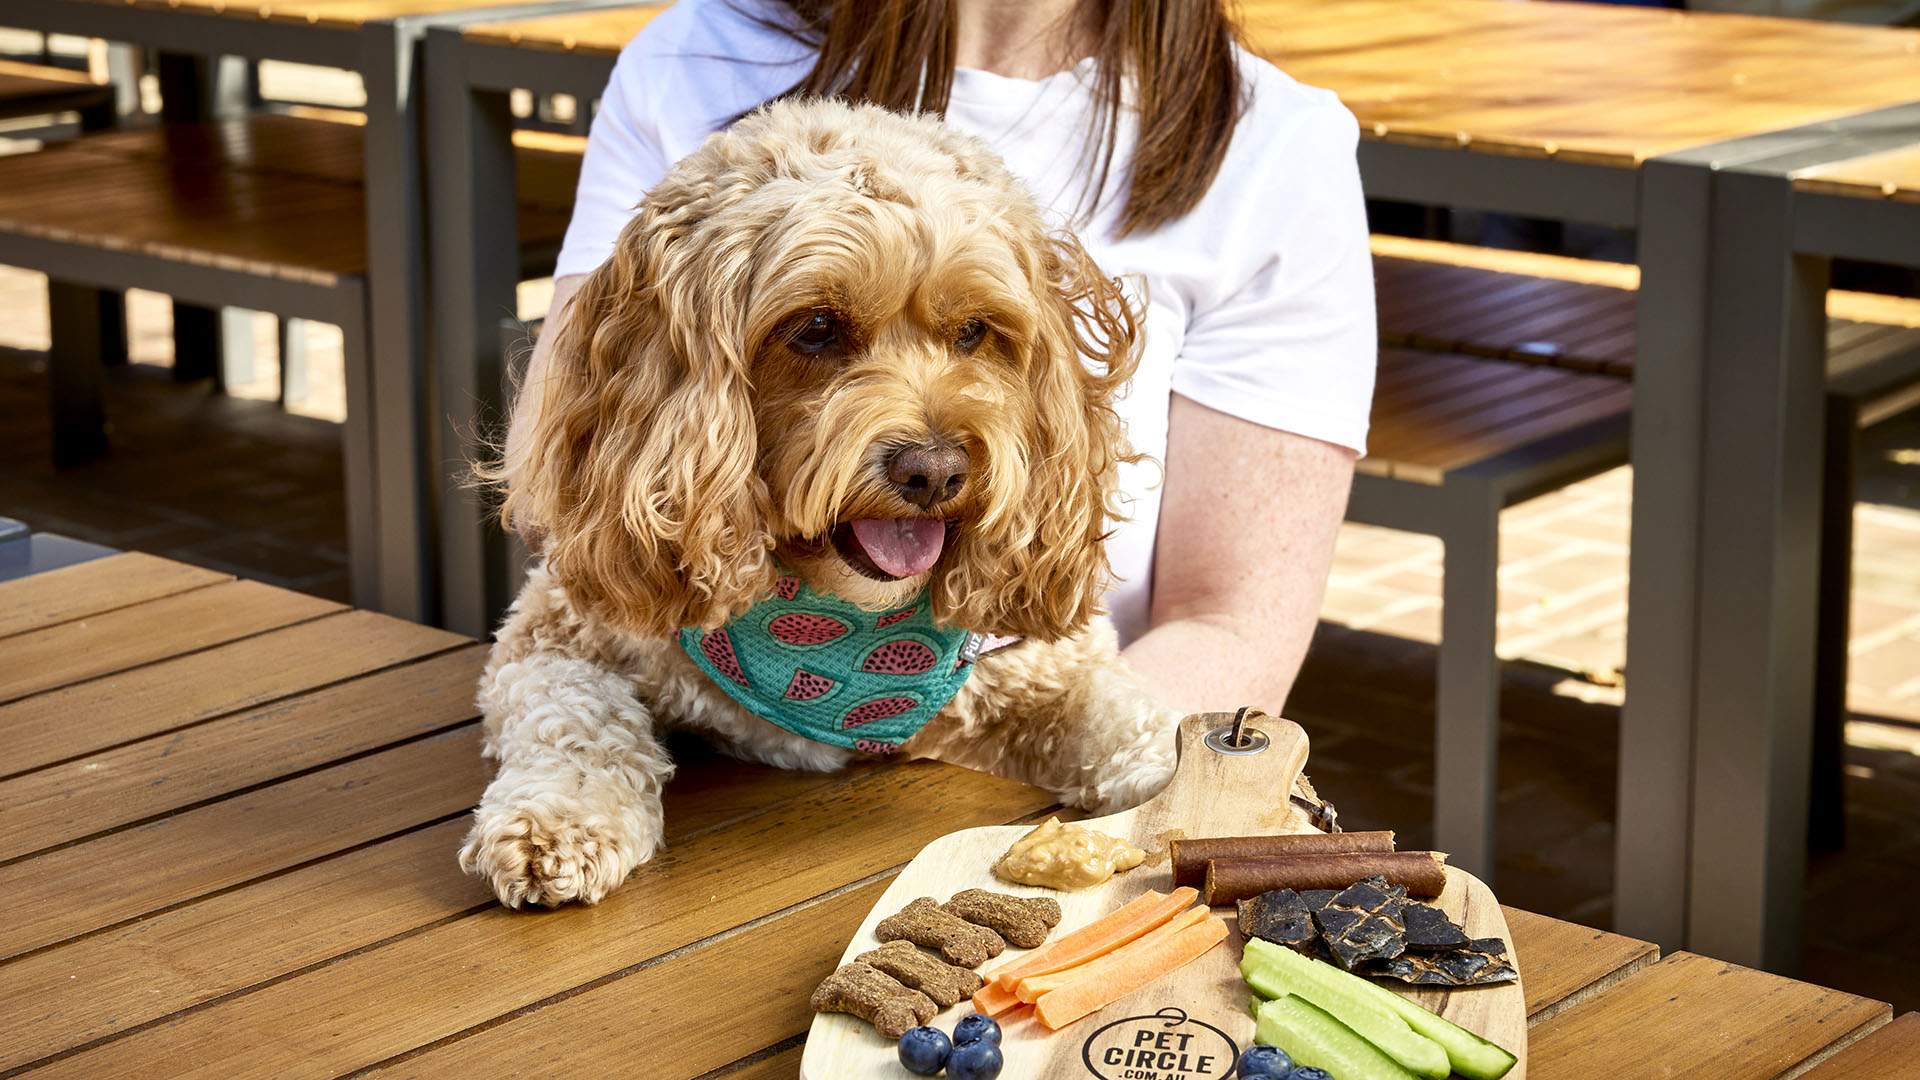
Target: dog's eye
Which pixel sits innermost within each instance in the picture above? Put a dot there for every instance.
(971, 334)
(815, 334)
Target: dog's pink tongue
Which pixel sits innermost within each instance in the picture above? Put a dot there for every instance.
(901, 547)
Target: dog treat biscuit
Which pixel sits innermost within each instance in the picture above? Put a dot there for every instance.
(874, 996)
(923, 923)
(943, 982)
(1023, 921)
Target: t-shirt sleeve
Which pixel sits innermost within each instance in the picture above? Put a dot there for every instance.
(624, 158)
(1285, 336)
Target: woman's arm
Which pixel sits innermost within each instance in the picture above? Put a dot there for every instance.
(1248, 521)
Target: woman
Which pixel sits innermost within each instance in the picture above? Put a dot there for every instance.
(1228, 190)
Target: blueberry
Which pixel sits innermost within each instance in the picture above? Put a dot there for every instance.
(978, 1060)
(1306, 1073)
(1265, 1063)
(924, 1050)
(973, 1027)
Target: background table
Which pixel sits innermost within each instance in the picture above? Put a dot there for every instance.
(228, 822)
(377, 39)
(1616, 116)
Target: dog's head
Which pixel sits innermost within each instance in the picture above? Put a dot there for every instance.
(842, 338)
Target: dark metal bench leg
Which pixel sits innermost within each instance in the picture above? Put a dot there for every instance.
(1467, 721)
(357, 459)
(78, 318)
(1827, 807)
(476, 266)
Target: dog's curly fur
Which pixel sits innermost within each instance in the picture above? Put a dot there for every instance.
(680, 446)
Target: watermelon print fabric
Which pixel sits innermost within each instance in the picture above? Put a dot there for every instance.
(824, 669)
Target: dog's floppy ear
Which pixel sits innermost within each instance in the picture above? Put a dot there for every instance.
(638, 462)
(1053, 550)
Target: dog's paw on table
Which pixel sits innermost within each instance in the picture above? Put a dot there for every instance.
(532, 856)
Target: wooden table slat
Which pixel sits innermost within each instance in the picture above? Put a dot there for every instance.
(1563, 964)
(141, 633)
(113, 981)
(774, 966)
(1891, 1053)
(1690, 1015)
(148, 867)
(148, 778)
(465, 972)
(40, 601)
(184, 690)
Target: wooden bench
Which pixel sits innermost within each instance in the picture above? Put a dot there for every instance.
(265, 213)
(36, 90)
(1504, 376)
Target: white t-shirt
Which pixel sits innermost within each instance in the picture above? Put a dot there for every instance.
(1260, 301)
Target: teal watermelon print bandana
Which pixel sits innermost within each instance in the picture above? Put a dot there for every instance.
(832, 672)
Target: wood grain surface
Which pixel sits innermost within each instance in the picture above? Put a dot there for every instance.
(1212, 794)
(259, 880)
(602, 32)
(42, 660)
(186, 690)
(89, 588)
(1894, 174)
(271, 196)
(1692, 1016)
(1594, 83)
(1891, 1053)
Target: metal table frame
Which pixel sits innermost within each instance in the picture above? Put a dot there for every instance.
(475, 249)
(395, 523)
(1761, 420)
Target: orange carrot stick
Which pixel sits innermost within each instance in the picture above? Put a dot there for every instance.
(1075, 1000)
(991, 1000)
(1031, 987)
(1126, 922)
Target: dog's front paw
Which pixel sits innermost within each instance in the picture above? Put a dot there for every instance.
(541, 853)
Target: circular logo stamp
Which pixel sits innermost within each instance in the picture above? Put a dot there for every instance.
(1166, 1045)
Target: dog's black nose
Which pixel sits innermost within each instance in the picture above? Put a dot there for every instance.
(929, 474)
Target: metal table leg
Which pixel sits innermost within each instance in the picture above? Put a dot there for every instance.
(1759, 575)
(470, 174)
(396, 274)
(1467, 721)
(1656, 726)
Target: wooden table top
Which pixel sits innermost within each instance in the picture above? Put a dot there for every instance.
(328, 14)
(588, 33)
(228, 820)
(1595, 83)
(1591, 83)
(1894, 174)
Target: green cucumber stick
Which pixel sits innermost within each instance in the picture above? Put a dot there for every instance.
(1471, 1056)
(1311, 1037)
(1384, 1029)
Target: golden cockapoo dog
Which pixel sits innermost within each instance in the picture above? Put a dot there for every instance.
(836, 354)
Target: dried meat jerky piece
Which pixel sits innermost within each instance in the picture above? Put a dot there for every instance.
(923, 923)
(875, 997)
(1429, 929)
(1024, 921)
(932, 976)
(1482, 962)
(1280, 916)
(1364, 923)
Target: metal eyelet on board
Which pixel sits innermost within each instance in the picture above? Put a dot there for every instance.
(1237, 738)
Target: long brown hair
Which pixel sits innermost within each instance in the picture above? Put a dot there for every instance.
(1177, 56)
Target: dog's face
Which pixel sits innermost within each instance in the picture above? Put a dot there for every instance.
(838, 338)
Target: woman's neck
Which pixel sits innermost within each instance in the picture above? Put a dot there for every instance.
(1022, 39)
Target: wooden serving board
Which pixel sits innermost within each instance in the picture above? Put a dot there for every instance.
(1200, 1011)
